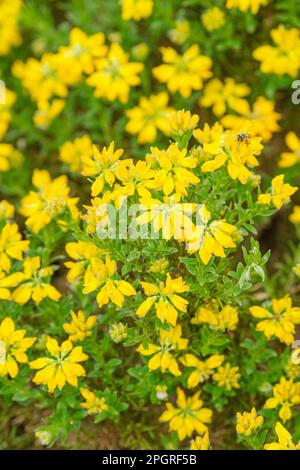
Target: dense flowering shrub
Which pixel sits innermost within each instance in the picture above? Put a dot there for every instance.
(149, 254)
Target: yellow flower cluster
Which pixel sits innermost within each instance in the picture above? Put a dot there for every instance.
(9, 30)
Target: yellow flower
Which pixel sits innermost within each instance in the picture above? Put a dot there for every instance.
(80, 327)
(9, 157)
(229, 94)
(248, 422)
(136, 9)
(227, 377)
(97, 215)
(8, 282)
(285, 441)
(284, 57)
(162, 357)
(135, 178)
(9, 30)
(263, 117)
(183, 73)
(7, 210)
(165, 298)
(92, 404)
(203, 369)
(172, 218)
(210, 238)
(13, 347)
(11, 246)
(280, 193)
(101, 166)
(244, 5)
(34, 284)
(190, 415)
(46, 112)
(288, 159)
(180, 33)
(223, 319)
(286, 394)
(237, 151)
(5, 111)
(49, 201)
(173, 169)
(81, 51)
(182, 122)
(115, 75)
(150, 115)
(213, 18)
(82, 253)
(102, 275)
(281, 322)
(118, 332)
(72, 152)
(295, 215)
(61, 368)
(201, 442)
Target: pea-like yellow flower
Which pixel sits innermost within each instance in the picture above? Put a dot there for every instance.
(81, 52)
(61, 367)
(50, 200)
(203, 369)
(11, 246)
(5, 110)
(213, 18)
(13, 347)
(115, 75)
(103, 276)
(282, 58)
(80, 326)
(294, 216)
(245, 5)
(174, 167)
(201, 442)
(71, 153)
(262, 116)
(162, 358)
(135, 178)
(227, 377)
(285, 440)
(182, 122)
(280, 193)
(183, 73)
(288, 159)
(9, 29)
(9, 157)
(280, 322)
(8, 282)
(220, 319)
(210, 237)
(286, 394)
(93, 404)
(248, 422)
(136, 9)
(173, 219)
(47, 111)
(7, 210)
(189, 416)
(221, 96)
(101, 166)
(165, 298)
(180, 33)
(82, 253)
(150, 115)
(34, 284)
(238, 151)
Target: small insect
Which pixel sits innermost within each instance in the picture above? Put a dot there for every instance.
(243, 138)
